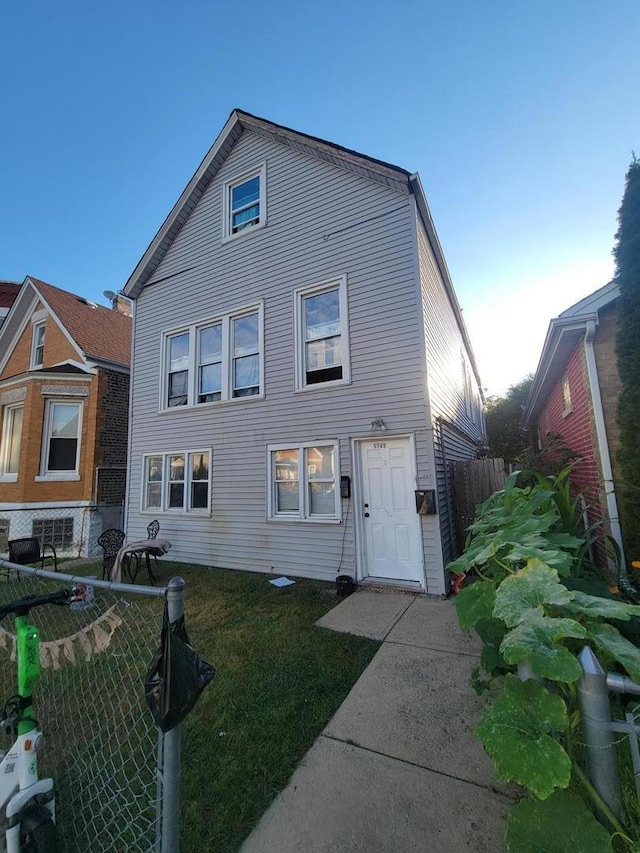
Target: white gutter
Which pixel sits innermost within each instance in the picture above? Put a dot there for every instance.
(601, 437)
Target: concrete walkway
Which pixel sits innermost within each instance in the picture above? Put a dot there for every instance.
(397, 769)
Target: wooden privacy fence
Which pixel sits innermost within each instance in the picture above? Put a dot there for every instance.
(473, 482)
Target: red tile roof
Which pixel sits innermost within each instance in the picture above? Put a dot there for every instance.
(8, 292)
(101, 333)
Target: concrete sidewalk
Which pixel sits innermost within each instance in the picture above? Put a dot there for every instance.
(397, 769)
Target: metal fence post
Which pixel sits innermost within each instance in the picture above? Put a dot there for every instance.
(595, 710)
(172, 744)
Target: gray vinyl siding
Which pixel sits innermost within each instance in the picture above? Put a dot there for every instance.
(457, 420)
(323, 222)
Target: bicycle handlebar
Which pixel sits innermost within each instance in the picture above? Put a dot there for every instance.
(24, 605)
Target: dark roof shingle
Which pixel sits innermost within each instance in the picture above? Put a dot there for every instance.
(8, 292)
(101, 333)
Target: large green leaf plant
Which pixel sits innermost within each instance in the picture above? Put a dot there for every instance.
(521, 552)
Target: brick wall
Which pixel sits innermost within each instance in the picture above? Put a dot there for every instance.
(26, 488)
(56, 349)
(111, 486)
(604, 346)
(577, 428)
(112, 431)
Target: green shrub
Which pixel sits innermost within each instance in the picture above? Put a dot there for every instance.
(525, 558)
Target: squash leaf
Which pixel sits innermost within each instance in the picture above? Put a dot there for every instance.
(515, 731)
(534, 641)
(475, 602)
(610, 640)
(534, 585)
(560, 824)
(607, 608)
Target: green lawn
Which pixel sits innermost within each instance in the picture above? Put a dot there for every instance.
(279, 680)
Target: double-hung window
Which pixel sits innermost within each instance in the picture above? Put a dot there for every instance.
(177, 482)
(216, 360)
(304, 482)
(61, 444)
(210, 363)
(245, 346)
(177, 369)
(245, 204)
(11, 437)
(37, 345)
(322, 335)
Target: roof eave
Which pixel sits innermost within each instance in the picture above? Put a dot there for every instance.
(95, 361)
(565, 331)
(180, 210)
(239, 121)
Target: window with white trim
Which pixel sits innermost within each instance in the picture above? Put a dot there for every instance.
(37, 345)
(177, 482)
(245, 205)
(11, 439)
(217, 360)
(61, 445)
(322, 335)
(304, 481)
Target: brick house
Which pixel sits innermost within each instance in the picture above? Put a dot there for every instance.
(575, 395)
(64, 396)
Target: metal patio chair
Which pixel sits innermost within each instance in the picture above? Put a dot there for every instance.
(29, 550)
(111, 541)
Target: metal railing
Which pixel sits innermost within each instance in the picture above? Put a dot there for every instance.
(599, 728)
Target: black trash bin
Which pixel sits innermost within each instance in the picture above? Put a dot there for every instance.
(345, 585)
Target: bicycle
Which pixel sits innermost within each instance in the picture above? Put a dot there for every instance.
(27, 803)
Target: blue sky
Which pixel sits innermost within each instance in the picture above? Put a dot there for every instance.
(521, 119)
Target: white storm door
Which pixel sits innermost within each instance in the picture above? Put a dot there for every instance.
(392, 540)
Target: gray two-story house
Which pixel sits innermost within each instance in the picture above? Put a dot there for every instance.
(301, 367)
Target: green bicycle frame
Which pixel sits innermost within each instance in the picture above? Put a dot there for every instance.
(28, 659)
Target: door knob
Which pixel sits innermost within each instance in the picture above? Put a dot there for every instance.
(366, 515)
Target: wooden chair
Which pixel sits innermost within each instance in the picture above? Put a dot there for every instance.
(110, 541)
(28, 550)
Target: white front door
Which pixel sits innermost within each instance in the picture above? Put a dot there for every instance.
(392, 539)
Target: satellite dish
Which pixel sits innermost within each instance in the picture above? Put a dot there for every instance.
(109, 294)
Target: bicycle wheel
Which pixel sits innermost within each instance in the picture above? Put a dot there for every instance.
(38, 832)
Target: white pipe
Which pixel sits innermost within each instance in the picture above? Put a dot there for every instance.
(603, 444)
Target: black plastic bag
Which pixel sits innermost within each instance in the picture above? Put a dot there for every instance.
(176, 677)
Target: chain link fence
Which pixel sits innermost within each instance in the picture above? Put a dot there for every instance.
(101, 745)
(72, 530)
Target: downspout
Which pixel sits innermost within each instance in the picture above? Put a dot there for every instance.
(603, 444)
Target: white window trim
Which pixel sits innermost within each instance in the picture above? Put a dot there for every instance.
(299, 333)
(303, 511)
(227, 360)
(8, 416)
(34, 332)
(258, 171)
(164, 509)
(46, 475)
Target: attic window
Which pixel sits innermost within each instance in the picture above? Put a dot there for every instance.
(37, 345)
(245, 204)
